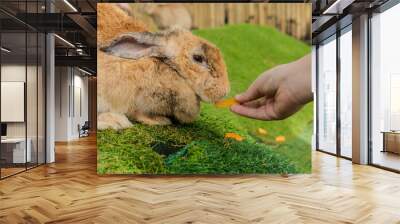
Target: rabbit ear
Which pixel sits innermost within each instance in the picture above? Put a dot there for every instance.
(135, 45)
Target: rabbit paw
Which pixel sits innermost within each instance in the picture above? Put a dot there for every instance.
(153, 120)
(186, 117)
(114, 121)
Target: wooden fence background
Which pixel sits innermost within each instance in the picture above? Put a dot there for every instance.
(291, 18)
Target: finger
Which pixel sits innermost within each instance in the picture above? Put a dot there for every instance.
(262, 86)
(255, 103)
(256, 113)
(250, 94)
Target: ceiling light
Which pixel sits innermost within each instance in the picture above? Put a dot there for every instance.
(70, 5)
(80, 51)
(338, 6)
(65, 41)
(331, 8)
(84, 71)
(5, 50)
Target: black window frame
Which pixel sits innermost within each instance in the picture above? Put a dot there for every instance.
(339, 31)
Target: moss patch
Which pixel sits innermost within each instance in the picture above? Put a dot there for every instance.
(204, 157)
(200, 148)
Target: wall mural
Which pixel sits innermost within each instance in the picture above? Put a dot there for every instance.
(184, 92)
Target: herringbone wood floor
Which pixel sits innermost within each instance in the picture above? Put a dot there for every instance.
(70, 191)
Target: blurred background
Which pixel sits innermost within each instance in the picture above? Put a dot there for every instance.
(293, 19)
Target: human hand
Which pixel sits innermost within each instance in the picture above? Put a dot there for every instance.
(277, 93)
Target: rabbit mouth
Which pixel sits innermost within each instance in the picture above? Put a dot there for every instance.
(201, 98)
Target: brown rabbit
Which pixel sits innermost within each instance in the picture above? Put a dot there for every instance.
(153, 77)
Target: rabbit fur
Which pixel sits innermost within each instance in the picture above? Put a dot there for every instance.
(153, 78)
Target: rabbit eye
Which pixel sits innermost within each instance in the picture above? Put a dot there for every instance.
(198, 58)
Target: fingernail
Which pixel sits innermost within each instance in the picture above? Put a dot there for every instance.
(232, 108)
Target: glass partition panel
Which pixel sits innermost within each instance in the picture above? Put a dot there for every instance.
(31, 97)
(41, 78)
(15, 151)
(327, 96)
(346, 93)
(385, 89)
(22, 88)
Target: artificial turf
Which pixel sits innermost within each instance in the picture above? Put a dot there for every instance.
(200, 148)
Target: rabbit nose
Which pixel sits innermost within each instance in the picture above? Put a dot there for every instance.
(219, 94)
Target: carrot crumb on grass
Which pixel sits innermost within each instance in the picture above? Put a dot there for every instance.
(262, 131)
(234, 136)
(280, 139)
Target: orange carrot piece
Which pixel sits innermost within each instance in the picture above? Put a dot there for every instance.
(226, 103)
(280, 139)
(262, 131)
(234, 136)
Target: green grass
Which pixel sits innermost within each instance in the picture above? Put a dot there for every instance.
(200, 147)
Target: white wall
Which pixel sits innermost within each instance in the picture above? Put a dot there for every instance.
(70, 83)
(79, 117)
(62, 82)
